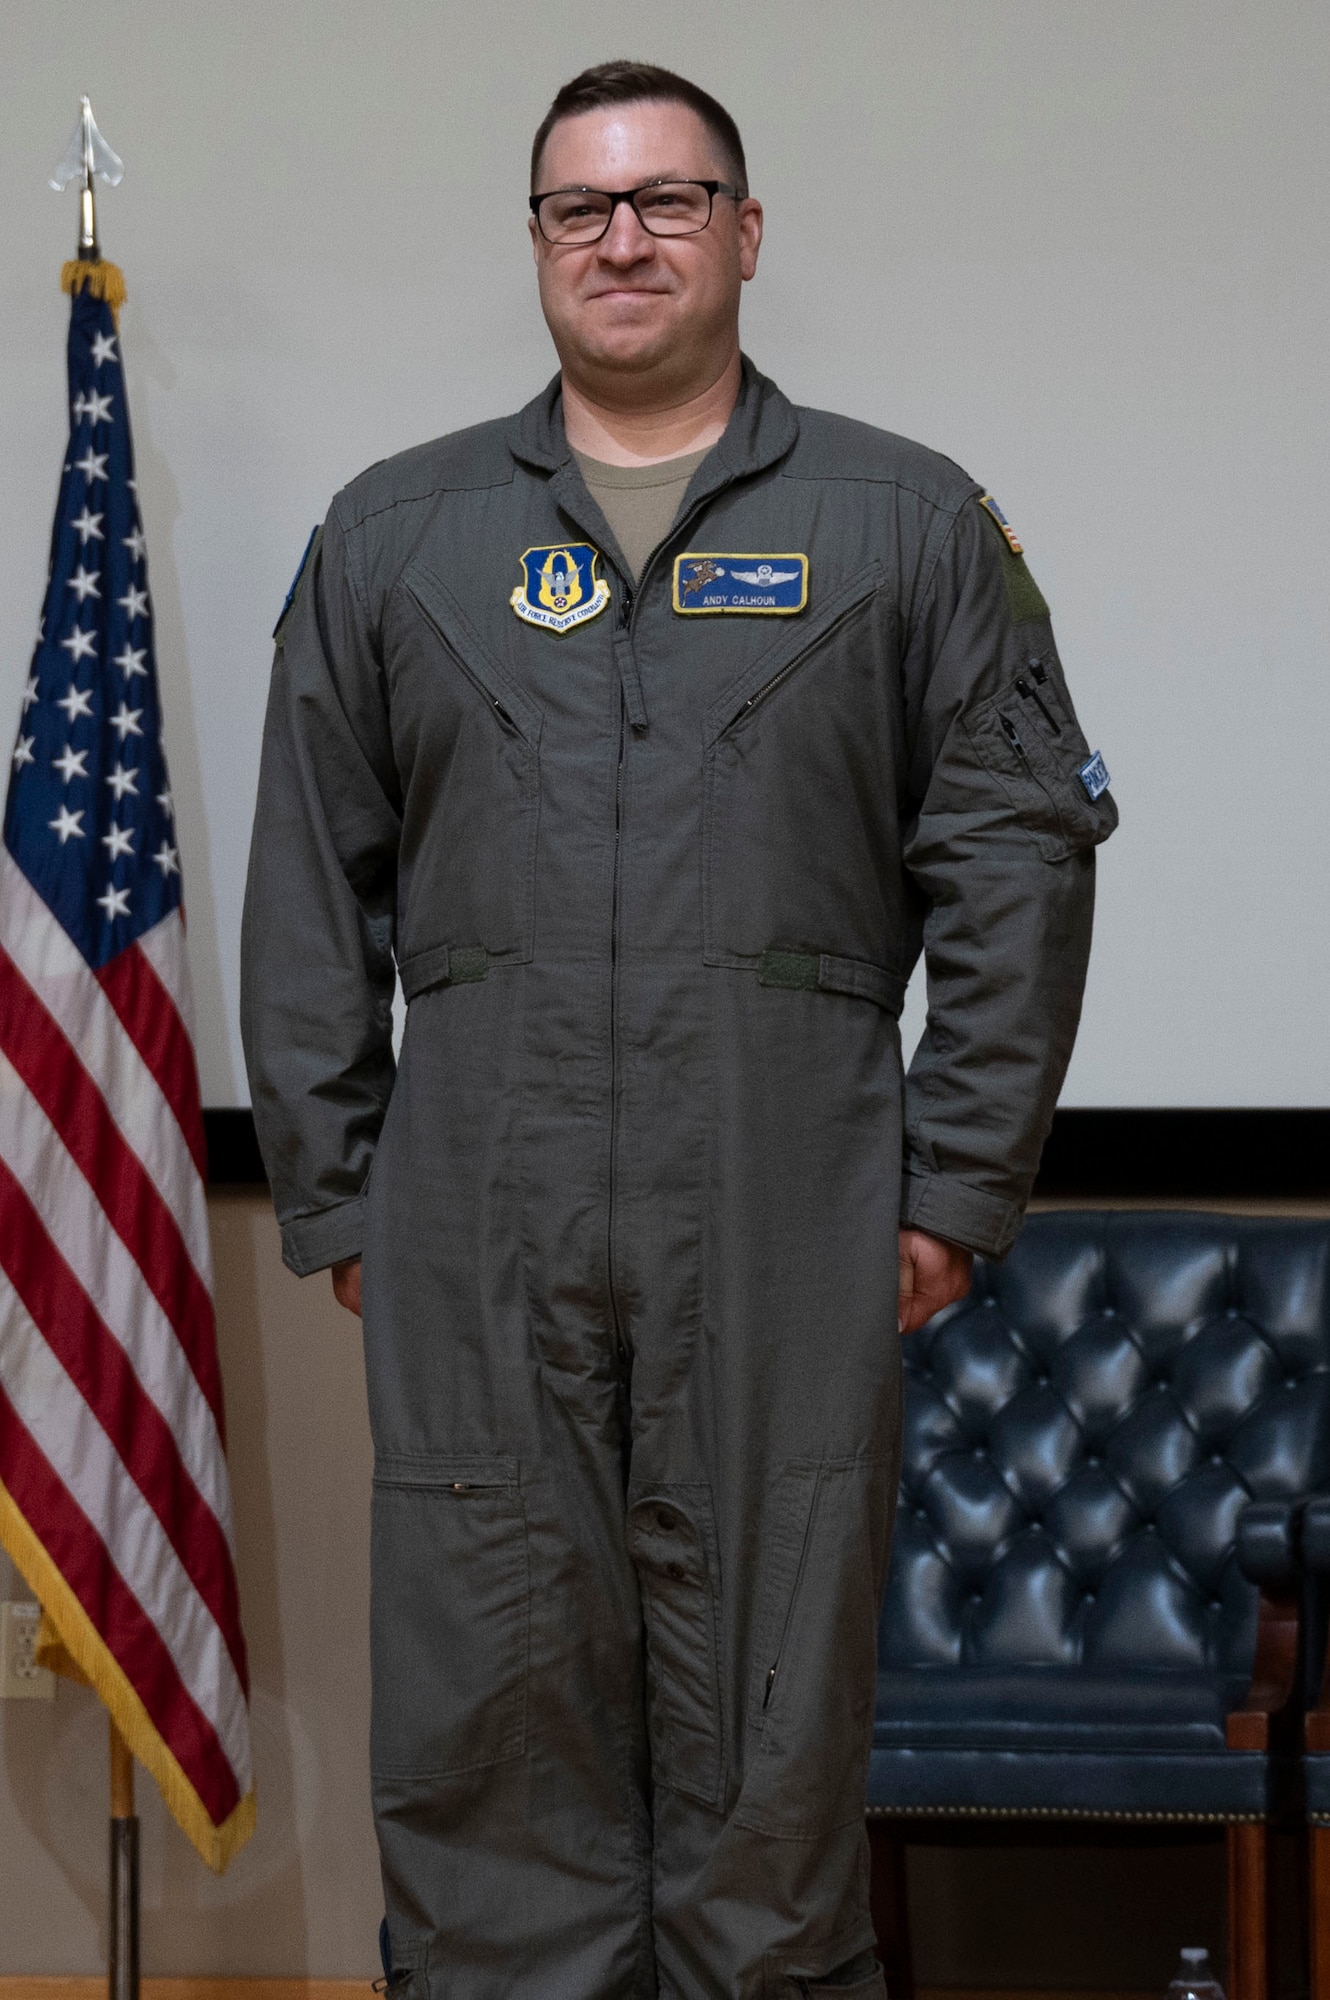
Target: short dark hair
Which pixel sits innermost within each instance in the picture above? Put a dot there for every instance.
(643, 83)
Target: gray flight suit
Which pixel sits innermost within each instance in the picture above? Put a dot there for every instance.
(628, 1206)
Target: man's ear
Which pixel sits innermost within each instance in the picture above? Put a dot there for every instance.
(749, 215)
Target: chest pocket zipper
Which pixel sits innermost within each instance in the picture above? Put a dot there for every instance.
(515, 712)
(801, 758)
(468, 861)
(792, 651)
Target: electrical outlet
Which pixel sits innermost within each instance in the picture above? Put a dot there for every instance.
(21, 1679)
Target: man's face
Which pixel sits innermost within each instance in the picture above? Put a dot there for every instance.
(636, 305)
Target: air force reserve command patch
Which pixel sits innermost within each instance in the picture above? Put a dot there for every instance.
(776, 585)
(560, 587)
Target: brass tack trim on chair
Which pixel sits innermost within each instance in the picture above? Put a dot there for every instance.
(1059, 1812)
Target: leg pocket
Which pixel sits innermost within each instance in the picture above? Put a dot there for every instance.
(810, 1707)
(450, 1614)
(672, 1541)
(845, 1966)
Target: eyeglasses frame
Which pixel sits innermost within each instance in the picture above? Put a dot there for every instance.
(713, 188)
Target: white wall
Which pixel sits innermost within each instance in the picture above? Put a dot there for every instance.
(1080, 246)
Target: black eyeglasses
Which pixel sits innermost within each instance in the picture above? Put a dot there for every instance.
(664, 208)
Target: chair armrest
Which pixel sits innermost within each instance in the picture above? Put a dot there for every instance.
(1316, 1534)
(1268, 1551)
(1268, 1544)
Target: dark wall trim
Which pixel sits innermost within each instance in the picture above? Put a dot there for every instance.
(233, 1151)
(1091, 1155)
(1187, 1155)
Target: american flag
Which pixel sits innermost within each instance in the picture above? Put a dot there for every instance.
(114, 1499)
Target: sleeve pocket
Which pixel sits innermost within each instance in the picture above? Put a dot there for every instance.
(1027, 737)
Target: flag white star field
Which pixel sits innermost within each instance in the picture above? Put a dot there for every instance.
(114, 1498)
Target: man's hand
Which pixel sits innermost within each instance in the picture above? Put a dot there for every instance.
(933, 1274)
(346, 1284)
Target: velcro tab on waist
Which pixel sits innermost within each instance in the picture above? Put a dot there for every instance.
(442, 965)
(824, 972)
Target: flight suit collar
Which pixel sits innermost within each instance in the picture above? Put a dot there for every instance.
(762, 429)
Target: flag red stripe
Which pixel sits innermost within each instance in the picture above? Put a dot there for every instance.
(148, 1015)
(47, 1062)
(77, 1550)
(100, 1370)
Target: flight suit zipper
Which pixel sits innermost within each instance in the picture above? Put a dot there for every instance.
(625, 625)
(620, 1346)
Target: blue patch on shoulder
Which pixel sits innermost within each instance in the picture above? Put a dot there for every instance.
(295, 582)
(1093, 774)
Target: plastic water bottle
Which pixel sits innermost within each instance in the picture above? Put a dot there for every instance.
(1195, 1978)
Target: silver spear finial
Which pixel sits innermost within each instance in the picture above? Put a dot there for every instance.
(88, 158)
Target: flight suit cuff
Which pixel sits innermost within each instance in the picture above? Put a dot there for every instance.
(962, 1214)
(311, 1242)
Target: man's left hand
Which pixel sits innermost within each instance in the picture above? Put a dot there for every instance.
(933, 1274)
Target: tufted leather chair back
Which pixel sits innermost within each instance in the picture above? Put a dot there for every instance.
(1083, 1432)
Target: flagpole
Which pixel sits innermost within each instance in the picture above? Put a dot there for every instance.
(123, 1953)
(90, 249)
(87, 158)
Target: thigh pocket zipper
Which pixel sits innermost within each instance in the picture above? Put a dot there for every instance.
(782, 1644)
(451, 1615)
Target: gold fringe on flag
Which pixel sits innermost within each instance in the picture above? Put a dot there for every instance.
(103, 280)
(79, 1639)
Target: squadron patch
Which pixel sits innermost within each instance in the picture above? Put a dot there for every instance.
(1093, 774)
(706, 582)
(559, 587)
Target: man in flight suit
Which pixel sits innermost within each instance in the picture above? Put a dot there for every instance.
(647, 737)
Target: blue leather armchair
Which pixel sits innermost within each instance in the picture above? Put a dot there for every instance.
(1092, 1610)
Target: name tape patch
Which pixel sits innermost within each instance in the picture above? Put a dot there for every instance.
(705, 581)
(559, 587)
(1093, 774)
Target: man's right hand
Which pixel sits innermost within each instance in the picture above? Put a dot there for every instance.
(933, 1274)
(346, 1284)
